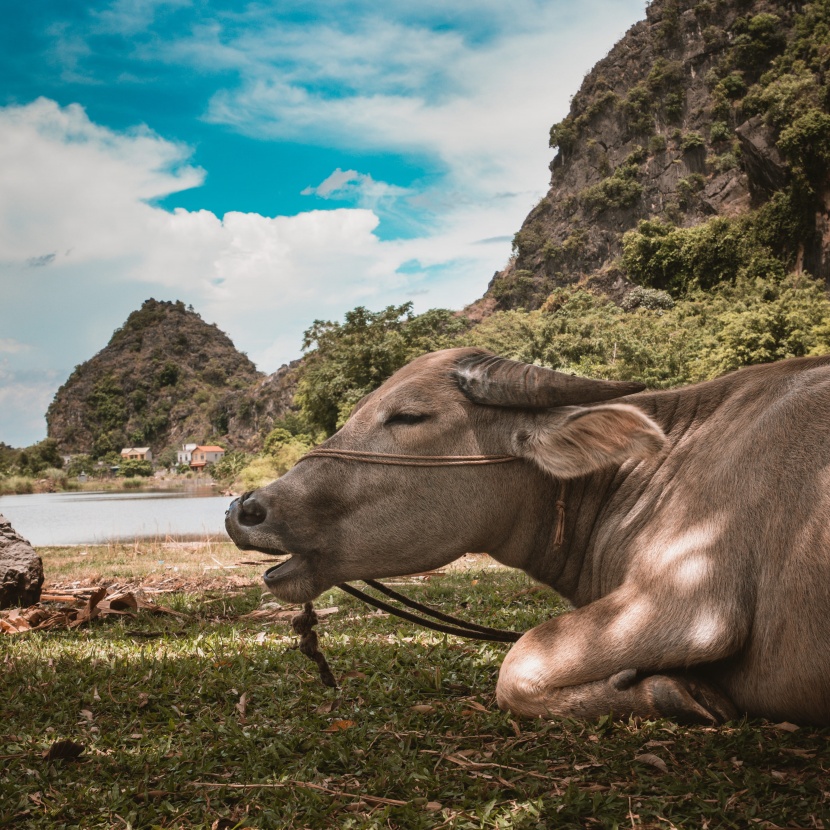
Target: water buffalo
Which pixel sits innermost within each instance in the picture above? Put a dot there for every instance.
(690, 528)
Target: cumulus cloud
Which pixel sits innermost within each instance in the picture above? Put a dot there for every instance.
(11, 346)
(24, 398)
(465, 91)
(78, 216)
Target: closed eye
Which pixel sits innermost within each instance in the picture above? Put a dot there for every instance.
(405, 418)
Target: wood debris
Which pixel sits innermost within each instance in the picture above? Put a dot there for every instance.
(71, 609)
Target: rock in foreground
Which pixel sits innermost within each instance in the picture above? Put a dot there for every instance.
(21, 569)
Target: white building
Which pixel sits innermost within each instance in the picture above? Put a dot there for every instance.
(185, 454)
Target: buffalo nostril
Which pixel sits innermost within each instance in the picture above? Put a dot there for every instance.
(251, 512)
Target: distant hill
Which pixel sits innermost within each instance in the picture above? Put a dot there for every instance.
(708, 115)
(165, 378)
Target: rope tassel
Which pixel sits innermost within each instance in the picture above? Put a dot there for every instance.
(303, 624)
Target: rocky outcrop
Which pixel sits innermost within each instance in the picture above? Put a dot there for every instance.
(660, 130)
(765, 168)
(21, 569)
(167, 378)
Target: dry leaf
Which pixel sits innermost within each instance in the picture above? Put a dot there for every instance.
(433, 806)
(786, 726)
(63, 751)
(352, 674)
(474, 704)
(423, 708)
(242, 706)
(123, 602)
(339, 726)
(327, 706)
(143, 699)
(652, 760)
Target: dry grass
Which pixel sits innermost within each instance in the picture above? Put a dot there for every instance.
(194, 562)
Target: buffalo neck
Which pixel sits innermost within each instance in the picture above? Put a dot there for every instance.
(602, 509)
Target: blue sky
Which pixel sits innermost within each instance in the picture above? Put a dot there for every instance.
(269, 163)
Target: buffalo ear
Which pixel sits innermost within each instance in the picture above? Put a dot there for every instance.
(590, 439)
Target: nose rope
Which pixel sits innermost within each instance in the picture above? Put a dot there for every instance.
(457, 627)
(397, 460)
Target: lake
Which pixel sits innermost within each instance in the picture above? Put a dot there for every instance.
(78, 518)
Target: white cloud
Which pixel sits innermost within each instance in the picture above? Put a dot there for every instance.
(77, 216)
(481, 107)
(9, 345)
(360, 189)
(24, 397)
(470, 100)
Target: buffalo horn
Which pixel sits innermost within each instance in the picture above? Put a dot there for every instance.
(496, 381)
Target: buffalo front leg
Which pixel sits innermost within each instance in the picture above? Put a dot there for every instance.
(619, 656)
(676, 696)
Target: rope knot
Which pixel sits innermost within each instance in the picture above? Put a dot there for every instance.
(303, 624)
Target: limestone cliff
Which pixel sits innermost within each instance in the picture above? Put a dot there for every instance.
(165, 378)
(681, 122)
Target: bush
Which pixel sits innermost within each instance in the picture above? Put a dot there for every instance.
(134, 467)
(719, 131)
(723, 162)
(657, 143)
(660, 255)
(806, 143)
(760, 38)
(688, 187)
(17, 485)
(638, 108)
(619, 190)
(258, 473)
(691, 141)
(695, 338)
(650, 298)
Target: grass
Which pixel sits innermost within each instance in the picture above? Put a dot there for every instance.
(213, 720)
(193, 562)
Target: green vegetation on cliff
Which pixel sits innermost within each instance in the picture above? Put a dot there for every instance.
(696, 152)
(164, 378)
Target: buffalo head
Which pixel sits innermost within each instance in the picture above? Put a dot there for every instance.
(341, 520)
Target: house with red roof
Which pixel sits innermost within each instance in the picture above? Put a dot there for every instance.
(201, 456)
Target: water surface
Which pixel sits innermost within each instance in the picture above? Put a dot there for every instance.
(78, 518)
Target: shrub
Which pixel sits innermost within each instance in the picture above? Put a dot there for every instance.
(651, 298)
(691, 141)
(695, 338)
(759, 39)
(688, 187)
(131, 467)
(657, 143)
(564, 135)
(18, 485)
(806, 143)
(258, 473)
(674, 259)
(620, 190)
(719, 131)
(638, 108)
(723, 162)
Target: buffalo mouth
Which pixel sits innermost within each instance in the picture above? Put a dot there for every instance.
(292, 580)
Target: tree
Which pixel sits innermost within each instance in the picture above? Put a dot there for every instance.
(348, 360)
(135, 467)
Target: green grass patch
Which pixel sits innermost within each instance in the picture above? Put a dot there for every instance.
(214, 720)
